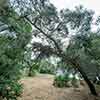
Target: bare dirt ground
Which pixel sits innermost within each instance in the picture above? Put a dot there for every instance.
(41, 88)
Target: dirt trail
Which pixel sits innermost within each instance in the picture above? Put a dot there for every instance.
(41, 88)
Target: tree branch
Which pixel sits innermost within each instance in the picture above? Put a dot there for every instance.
(48, 36)
(57, 27)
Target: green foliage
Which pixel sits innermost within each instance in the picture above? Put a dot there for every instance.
(46, 67)
(86, 49)
(13, 42)
(33, 69)
(60, 81)
(51, 29)
(65, 81)
(10, 89)
(32, 73)
(46, 70)
(41, 66)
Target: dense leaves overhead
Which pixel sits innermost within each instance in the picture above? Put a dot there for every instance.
(79, 18)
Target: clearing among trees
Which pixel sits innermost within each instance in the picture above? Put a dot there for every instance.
(40, 88)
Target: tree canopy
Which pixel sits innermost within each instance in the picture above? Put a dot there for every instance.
(22, 21)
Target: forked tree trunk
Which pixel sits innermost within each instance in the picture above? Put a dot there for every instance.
(86, 79)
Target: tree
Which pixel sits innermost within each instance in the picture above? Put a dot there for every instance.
(51, 27)
(86, 47)
(15, 34)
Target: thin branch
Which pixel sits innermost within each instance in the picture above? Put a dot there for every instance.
(57, 27)
(48, 36)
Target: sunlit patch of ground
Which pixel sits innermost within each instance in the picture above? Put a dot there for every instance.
(41, 88)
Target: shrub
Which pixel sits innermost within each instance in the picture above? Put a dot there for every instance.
(61, 80)
(75, 82)
(65, 81)
(46, 70)
(46, 67)
(10, 90)
(11, 58)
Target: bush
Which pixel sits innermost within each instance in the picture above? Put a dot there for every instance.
(46, 67)
(75, 82)
(10, 90)
(61, 80)
(10, 66)
(65, 81)
(46, 70)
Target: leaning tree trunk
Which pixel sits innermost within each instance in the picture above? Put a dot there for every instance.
(86, 79)
(77, 66)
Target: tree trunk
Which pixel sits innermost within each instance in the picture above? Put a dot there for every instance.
(1, 98)
(86, 79)
(77, 66)
(30, 71)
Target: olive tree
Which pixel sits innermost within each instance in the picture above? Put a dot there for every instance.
(51, 27)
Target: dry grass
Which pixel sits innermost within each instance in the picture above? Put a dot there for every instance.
(41, 88)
